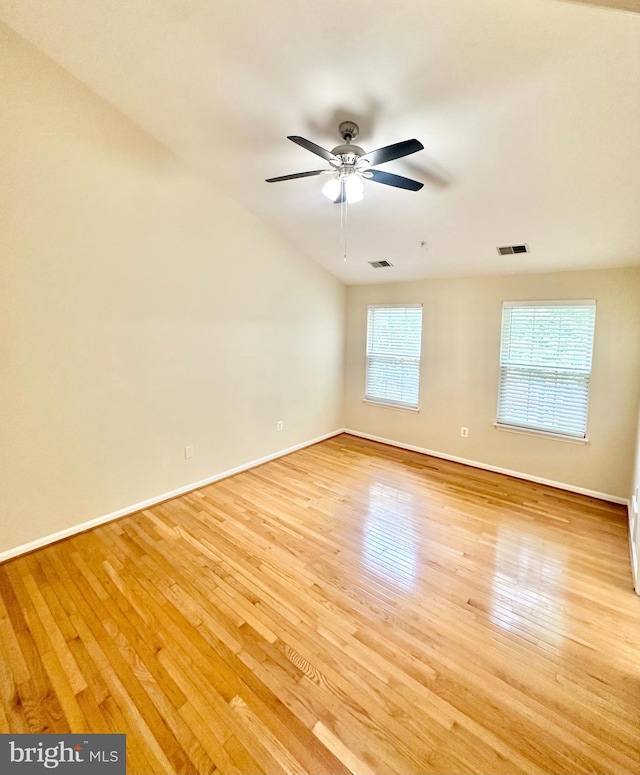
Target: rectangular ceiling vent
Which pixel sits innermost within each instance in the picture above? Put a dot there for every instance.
(511, 249)
(379, 264)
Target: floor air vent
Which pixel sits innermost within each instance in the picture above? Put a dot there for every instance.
(510, 249)
(379, 264)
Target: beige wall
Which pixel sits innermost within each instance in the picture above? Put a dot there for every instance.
(140, 311)
(459, 375)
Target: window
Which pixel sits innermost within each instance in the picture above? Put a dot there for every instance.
(394, 338)
(545, 365)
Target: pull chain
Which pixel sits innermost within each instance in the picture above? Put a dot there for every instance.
(344, 214)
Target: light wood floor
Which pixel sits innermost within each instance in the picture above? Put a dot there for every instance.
(349, 608)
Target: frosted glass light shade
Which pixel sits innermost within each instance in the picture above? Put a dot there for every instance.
(331, 189)
(354, 189)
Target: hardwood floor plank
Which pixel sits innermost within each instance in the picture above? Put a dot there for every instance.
(341, 751)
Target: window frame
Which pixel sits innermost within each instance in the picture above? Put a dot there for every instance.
(383, 401)
(540, 430)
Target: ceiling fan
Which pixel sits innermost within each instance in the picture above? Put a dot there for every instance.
(350, 165)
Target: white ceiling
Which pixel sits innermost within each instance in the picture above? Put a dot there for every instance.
(529, 111)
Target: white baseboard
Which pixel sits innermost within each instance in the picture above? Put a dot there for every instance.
(517, 474)
(81, 528)
(70, 531)
(634, 539)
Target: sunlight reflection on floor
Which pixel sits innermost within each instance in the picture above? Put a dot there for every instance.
(527, 585)
(391, 536)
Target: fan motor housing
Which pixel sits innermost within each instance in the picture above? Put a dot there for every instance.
(345, 150)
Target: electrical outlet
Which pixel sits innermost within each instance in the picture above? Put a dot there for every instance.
(464, 432)
(188, 452)
(280, 425)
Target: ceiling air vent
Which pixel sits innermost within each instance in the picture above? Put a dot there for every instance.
(511, 249)
(379, 264)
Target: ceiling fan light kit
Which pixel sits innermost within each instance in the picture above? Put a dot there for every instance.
(353, 188)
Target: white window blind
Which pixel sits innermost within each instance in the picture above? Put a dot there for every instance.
(545, 365)
(394, 340)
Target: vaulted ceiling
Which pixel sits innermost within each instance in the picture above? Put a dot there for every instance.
(528, 111)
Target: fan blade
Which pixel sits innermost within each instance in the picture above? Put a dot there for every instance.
(342, 195)
(378, 176)
(314, 148)
(391, 152)
(297, 175)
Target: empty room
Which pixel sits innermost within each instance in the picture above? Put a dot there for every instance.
(320, 387)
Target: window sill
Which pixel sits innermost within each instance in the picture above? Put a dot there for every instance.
(543, 434)
(409, 409)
